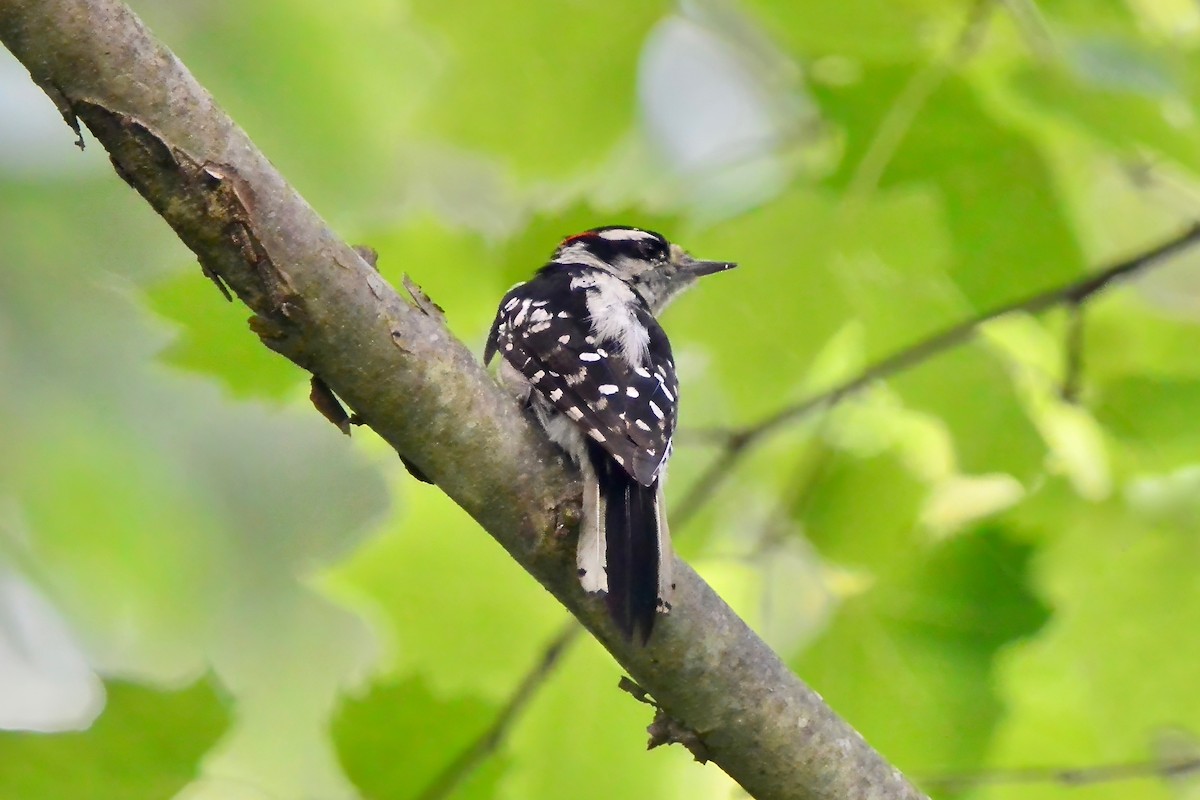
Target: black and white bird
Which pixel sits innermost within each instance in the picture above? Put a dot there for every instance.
(582, 349)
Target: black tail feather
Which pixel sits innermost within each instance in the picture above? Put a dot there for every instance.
(631, 553)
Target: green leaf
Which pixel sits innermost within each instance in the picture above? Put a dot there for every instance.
(868, 29)
(327, 91)
(909, 662)
(382, 752)
(1125, 118)
(1111, 18)
(585, 739)
(216, 341)
(773, 297)
(547, 93)
(147, 744)
(1126, 337)
(987, 173)
(1154, 417)
(127, 556)
(973, 395)
(1075, 441)
(1115, 669)
(448, 593)
(457, 269)
(907, 657)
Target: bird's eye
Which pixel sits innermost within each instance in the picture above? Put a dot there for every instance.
(653, 251)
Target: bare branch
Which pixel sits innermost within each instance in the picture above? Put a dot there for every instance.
(1163, 769)
(402, 373)
(1073, 352)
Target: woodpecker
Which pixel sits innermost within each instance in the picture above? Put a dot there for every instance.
(583, 351)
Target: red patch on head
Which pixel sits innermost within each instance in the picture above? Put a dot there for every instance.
(577, 238)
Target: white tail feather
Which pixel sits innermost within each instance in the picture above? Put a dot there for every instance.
(590, 558)
(666, 556)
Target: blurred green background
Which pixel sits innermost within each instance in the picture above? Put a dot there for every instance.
(978, 573)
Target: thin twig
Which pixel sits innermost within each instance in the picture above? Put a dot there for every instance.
(1073, 368)
(740, 441)
(797, 495)
(1163, 187)
(482, 748)
(1032, 27)
(1067, 776)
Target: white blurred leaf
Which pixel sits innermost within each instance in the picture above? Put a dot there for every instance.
(45, 681)
(961, 500)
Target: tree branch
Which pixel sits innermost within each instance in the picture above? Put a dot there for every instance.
(397, 367)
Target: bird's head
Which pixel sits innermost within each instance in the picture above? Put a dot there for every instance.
(653, 267)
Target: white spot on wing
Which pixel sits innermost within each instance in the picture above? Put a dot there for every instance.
(632, 392)
(657, 411)
(607, 388)
(519, 319)
(589, 356)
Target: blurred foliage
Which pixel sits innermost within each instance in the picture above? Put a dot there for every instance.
(125, 754)
(976, 572)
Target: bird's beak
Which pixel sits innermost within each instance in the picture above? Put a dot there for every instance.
(699, 269)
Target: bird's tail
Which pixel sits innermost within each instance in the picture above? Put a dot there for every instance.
(624, 546)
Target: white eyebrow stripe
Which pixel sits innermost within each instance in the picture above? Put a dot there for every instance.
(625, 234)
